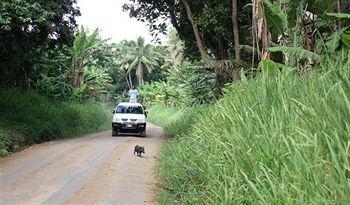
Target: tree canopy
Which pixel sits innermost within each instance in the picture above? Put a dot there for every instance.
(212, 17)
(29, 29)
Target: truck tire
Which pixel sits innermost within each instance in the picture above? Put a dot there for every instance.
(143, 133)
(114, 132)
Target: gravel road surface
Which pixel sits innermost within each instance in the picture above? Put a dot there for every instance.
(94, 169)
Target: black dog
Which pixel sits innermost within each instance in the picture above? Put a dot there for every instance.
(139, 150)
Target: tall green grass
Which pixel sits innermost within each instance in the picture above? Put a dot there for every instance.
(176, 121)
(27, 118)
(268, 141)
(162, 115)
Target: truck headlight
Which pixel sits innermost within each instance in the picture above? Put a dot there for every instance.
(141, 120)
(117, 120)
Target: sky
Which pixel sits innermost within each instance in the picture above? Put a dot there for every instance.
(108, 16)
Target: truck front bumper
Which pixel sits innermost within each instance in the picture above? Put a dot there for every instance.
(129, 127)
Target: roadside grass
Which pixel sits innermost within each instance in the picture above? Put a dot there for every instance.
(27, 118)
(176, 121)
(161, 115)
(269, 141)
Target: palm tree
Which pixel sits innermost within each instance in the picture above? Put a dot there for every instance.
(142, 57)
(124, 59)
(124, 65)
(175, 46)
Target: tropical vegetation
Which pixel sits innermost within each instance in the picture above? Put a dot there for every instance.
(254, 93)
(271, 140)
(277, 129)
(27, 117)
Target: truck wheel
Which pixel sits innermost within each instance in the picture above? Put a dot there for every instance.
(114, 132)
(143, 133)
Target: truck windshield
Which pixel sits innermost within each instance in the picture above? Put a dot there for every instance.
(125, 109)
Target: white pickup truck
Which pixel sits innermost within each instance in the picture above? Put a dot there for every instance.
(129, 118)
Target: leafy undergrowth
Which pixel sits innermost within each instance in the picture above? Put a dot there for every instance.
(268, 141)
(27, 118)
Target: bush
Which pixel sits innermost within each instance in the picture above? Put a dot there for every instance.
(268, 141)
(28, 118)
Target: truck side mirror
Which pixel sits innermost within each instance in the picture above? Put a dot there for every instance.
(113, 111)
(146, 113)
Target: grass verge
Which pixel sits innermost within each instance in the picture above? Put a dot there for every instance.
(268, 141)
(175, 121)
(27, 118)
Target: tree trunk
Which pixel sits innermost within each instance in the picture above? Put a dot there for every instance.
(140, 74)
(78, 74)
(127, 81)
(260, 27)
(235, 30)
(78, 79)
(221, 49)
(199, 41)
(222, 74)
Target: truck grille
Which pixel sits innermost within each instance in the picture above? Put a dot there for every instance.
(133, 120)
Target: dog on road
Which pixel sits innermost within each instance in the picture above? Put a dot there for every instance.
(139, 150)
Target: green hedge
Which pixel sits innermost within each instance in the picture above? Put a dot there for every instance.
(27, 118)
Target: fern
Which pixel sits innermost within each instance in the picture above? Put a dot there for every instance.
(295, 51)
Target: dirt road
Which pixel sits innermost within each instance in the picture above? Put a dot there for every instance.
(95, 169)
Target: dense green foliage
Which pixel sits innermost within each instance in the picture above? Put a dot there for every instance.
(142, 59)
(59, 71)
(186, 85)
(280, 137)
(103, 71)
(33, 33)
(208, 33)
(213, 19)
(272, 140)
(27, 117)
(81, 73)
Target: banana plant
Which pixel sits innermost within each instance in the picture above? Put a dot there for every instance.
(98, 82)
(82, 49)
